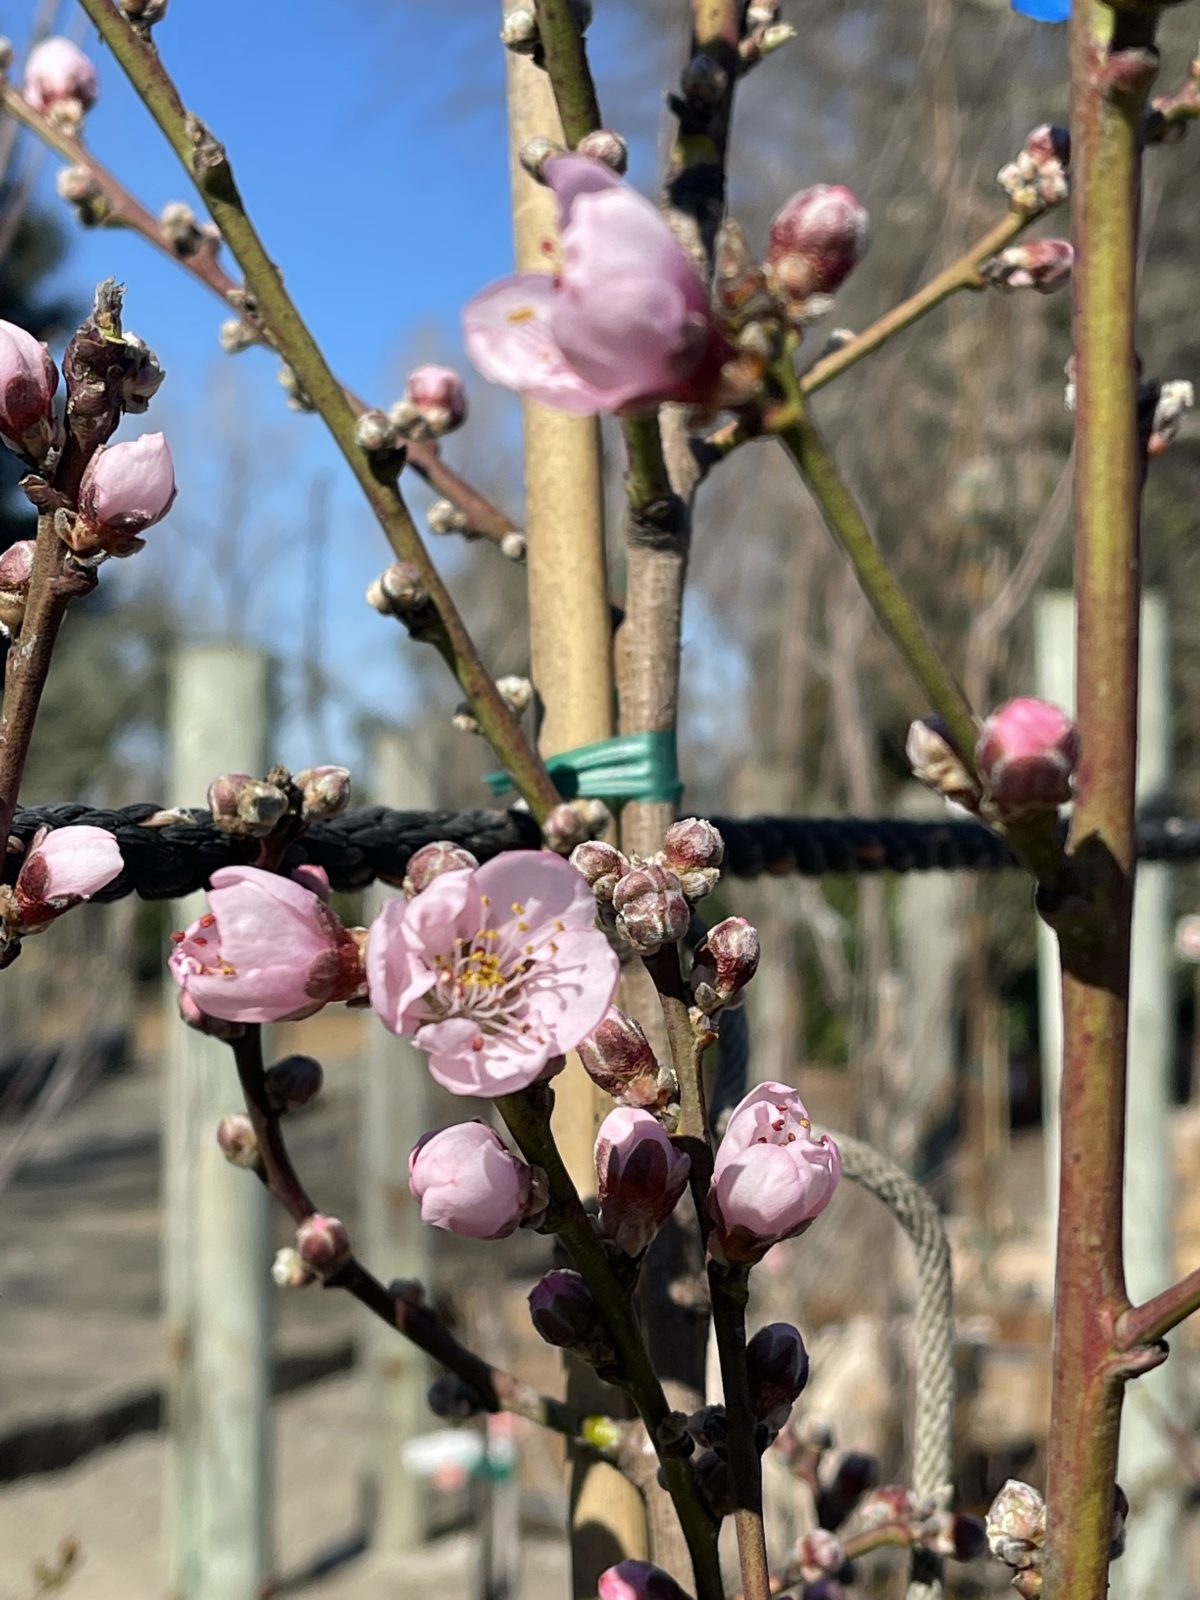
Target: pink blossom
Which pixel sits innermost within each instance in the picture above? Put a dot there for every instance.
(58, 70)
(28, 379)
(466, 1181)
(495, 972)
(268, 950)
(627, 323)
(63, 867)
(126, 488)
(1026, 755)
(638, 1580)
(641, 1177)
(771, 1178)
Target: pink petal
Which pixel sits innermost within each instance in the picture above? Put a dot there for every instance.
(549, 888)
(507, 332)
(574, 988)
(498, 1066)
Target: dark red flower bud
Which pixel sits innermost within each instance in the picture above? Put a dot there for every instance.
(726, 960)
(651, 908)
(777, 1367)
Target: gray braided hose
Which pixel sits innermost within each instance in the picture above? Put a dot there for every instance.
(933, 1328)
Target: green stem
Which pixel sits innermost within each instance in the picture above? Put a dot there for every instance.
(900, 621)
(1089, 1366)
(566, 62)
(526, 1115)
(959, 275)
(1147, 1324)
(729, 1289)
(204, 158)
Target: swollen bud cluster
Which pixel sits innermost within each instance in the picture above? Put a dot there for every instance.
(1037, 178)
(815, 241)
(1043, 264)
(434, 403)
(649, 901)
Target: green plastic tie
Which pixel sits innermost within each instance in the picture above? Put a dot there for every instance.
(633, 766)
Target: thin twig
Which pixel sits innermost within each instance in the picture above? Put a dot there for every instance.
(204, 158)
(497, 1390)
(1147, 1324)
(122, 209)
(729, 1289)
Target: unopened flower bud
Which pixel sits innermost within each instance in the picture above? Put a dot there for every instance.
(236, 335)
(464, 720)
(1026, 755)
(468, 1182)
(1037, 179)
(638, 1580)
(143, 13)
(323, 1244)
(444, 517)
(602, 144)
(519, 32)
(725, 962)
(59, 76)
(126, 488)
(1175, 399)
(704, 80)
(534, 154)
(672, 1436)
(709, 1427)
(16, 564)
(603, 865)
(62, 868)
(513, 545)
(1016, 1526)
(324, 792)
(235, 1135)
(244, 806)
(566, 1316)
(936, 763)
(431, 860)
(374, 433)
(1043, 264)
(819, 1554)
(439, 395)
(297, 399)
(564, 828)
(78, 187)
(399, 590)
(617, 1056)
(293, 1082)
(289, 1271)
(651, 908)
(28, 379)
(777, 1368)
(180, 228)
(815, 241)
(450, 1398)
(641, 1176)
(692, 842)
(516, 692)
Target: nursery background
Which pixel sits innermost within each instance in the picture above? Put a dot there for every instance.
(913, 1009)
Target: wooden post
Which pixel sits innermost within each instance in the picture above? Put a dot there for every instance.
(571, 637)
(216, 1238)
(1148, 1470)
(394, 1111)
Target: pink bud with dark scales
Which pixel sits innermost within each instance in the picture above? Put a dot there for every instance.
(651, 908)
(323, 1244)
(1027, 754)
(617, 1056)
(467, 1181)
(28, 379)
(64, 867)
(431, 860)
(815, 241)
(641, 1176)
(726, 960)
(126, 488)
(58, 70)
(777, 1367)
(438, 393)
(638, 1580)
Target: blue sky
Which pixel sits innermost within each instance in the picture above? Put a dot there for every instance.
(369, 143)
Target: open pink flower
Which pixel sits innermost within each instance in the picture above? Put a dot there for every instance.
(467, 1181)
(626, 324)
(771, 1178)
(495, 972)
(58, 70)
(64, 867)
(268, 950)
